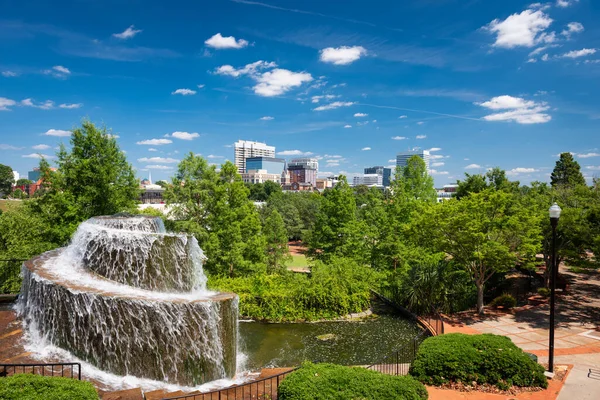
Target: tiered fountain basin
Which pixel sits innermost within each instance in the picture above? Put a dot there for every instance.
(182, 334)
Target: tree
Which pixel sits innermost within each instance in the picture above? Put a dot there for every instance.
(18, 194)
(567, 172)
(414, 181)
(485, 233)
(277, 240)
(495, 179)
(23, 182)
(6, 179)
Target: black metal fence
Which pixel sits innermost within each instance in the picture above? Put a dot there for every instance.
(10, 276)
(398, 362)
(263, 389)
(68, 370)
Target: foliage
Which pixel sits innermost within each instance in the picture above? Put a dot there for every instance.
(504, 300)
(6, 180)
(277, 241)
(567, 172)
(262, 191)
(35, 387)
(485, 358)
(23, 182)
(18, 194)
(494, 179)
(330, 291)
(215, 208)
(545, 292)
(336, 382)
(413, 181)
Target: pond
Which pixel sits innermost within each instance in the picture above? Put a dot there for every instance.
(346, 343)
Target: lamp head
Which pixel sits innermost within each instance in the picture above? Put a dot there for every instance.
(554, 211)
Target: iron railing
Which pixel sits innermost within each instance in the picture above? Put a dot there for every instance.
(264, 389)
(47, 369)
(10, 275)
(398, 362)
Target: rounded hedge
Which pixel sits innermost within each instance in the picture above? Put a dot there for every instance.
(486, 358)
(336, 382)
(35, 387)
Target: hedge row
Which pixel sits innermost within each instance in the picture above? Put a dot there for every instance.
(36, 387)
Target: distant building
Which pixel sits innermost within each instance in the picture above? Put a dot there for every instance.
(385, 173)
(447, 192)
(403, 157)
(303, 170)
(16, 176)
(34, 175)
(270, 164)
(260, 176)
(151, 193)
(371, 180)
(244, 149)
(298, 187)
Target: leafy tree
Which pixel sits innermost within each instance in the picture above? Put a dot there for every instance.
(277, 240)
(567, 172)
(162, 183)
(18, 194)
(6, 179)
(495, 179)
(23, 182)
(472, 184)
(298, 210)
(485, 233)
(414, 182)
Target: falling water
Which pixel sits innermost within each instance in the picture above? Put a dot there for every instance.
(131, 299)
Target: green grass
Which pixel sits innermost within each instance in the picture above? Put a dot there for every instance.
(298, 260)
(9, 204)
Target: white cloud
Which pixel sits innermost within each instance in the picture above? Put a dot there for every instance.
(40, 147)
(214, 156)
(112, 136)
(402, 117)
(225, 42)
(572, 27)
(9, 147)
(200, 86)
(152, 149)
(164, 167)
(360, 115)
(361, 123)
(545, 57)
(58, 71)
(343, 55)
(587, 155)
(421, 136)
(593, 168)
(184, 135)
(520, 110)
(436, 172)
(5, 103)
(267, 118)
(316, 99)
(184, 92)
(36, 155)
(365, 149)
(71, 106)
(57, 132)
(565, 3)
(437, 164)
(579, 53)
(437, 157)
(524, 29)
(520, 170)
(9, 74)
(420, 123)
(127, 33)
(158, 160)
(431, 150)
(347, 126)
(61, 69)
(399, 138)
(46, 105)
(294, 153)
(335, 104)
(155, 142)
(248, 69)
(473, 166)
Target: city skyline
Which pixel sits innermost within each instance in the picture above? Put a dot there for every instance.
(478, 84)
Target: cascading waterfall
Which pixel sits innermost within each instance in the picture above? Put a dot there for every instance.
(131, 299)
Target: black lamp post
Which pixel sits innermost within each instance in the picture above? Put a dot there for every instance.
(554, 216)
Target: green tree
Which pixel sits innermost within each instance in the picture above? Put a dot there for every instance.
(6, 179)
(495, 179)
(23, 182)
(567, 172)
(277, 241)
(485, 233)
(414, 181)
(18, 194)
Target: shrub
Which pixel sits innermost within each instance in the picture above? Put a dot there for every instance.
(545, 292)
(35, 387)
(335, 382)
(486, 358)
(505, 300)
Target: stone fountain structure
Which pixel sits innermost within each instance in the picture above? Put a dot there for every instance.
(131, 299)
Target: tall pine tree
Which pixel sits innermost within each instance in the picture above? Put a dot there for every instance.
(567, 172)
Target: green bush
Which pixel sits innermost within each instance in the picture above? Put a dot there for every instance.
(335, 382)
(486, 358)
(35, 387)
(545, 292)
(504, 300)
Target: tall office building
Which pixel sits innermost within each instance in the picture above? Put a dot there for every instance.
(385, 173)
(371, 180)
(246, 149)
(270, 164)
(402, 157)
(303, 170)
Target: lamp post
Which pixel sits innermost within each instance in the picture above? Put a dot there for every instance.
(554, 216)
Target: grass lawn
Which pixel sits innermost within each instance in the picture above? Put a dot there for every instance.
(8, 204)
(298, 260)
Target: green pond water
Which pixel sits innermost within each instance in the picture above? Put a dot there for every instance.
(347, 343)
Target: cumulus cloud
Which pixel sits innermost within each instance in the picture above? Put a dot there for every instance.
(214, 156)
(399, 138)
(184, 92)
(218, 41)
(572, 27)
(57, 132)
(437, 164)
(579, 53)
(36, 155)
(520, 170)
(46, 105)
(347, 126)
(154, 142)
(316, 99)
(40, 147)
(365, 149)
(158, 160)
(525, 29)
(473, 166)
(360, 115)
(152, 149)
(9, 74)
(58, 71)
(343, 55)
(6, 103)
(267, 118)
(431, 150)
(334, 105)
(519, 110)
(71, 106)
(249, 69)
(164, 167)
(184, 135)
(436, 172)
(127, 33)
(294, 153)
(587, 155)
(565, 3)
(421, 136)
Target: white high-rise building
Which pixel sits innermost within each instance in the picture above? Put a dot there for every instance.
(16, 176)
(371, 180)
(402, 157)
(245, 149)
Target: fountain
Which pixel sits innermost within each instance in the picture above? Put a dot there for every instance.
(131, 299)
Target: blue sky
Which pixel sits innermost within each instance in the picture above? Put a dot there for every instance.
(481, 83)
